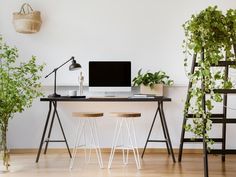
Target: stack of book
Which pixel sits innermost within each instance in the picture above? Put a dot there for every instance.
(143, 96)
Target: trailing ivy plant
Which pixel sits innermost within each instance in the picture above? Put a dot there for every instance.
(19, 85)
(213, 35)
(231, 25)
(150, 79)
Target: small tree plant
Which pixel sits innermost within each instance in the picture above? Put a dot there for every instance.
(19, 85)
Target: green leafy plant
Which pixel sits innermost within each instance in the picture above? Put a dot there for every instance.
(213, 35)
(150, 79)
(19, 85)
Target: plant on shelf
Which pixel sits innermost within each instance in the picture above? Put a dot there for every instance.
(19, 85)
(152, 83)
(210, 35)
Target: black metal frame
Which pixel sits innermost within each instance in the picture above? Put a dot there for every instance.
(216, 118)
(165, 132)
(53, 102)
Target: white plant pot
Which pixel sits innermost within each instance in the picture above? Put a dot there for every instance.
(157, 90)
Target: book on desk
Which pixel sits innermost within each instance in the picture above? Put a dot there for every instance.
(145, 96)
(79, 96)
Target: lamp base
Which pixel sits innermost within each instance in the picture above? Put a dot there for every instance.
(54, 95)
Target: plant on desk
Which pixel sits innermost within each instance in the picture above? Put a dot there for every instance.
(19, 85)
(152, 83)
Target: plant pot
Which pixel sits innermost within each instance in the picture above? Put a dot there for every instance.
(4, 152)
(157, 90)
(4, 157)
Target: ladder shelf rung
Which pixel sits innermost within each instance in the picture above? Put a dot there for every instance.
(220, 151)
(212, 115)
(232, 121)
(218, 118)
(190, 140)
(225, 91)
(220, 64)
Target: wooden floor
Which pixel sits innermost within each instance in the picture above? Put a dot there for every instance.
(153, 165)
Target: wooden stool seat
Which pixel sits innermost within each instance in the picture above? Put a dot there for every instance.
(126, 114)
(87, 114)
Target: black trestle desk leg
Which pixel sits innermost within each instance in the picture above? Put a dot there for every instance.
(63, 133)
(167, 132)
(44, 132)
(150, 131)
(164, 132)
(50, 129)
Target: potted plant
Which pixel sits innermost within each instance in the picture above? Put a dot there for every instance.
(19, 86)
(152, 83)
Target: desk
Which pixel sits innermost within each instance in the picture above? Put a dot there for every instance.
(53, 103)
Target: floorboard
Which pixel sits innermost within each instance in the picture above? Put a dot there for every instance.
(153, 165)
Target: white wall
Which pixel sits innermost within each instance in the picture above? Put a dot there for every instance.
(147, 32)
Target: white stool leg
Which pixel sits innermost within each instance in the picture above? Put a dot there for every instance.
(77, 140)
(97, 138)
(85, 143)
(75, 145)
(115, 140)
(123, 149)
(87, 156)
(125, 152)
(127, 155)
(97, 148)
(132, 145)
(113, 143)
(135, 142)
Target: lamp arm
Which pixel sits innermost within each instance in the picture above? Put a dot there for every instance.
(72, 58)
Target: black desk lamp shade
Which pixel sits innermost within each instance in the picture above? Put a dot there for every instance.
(72, 67)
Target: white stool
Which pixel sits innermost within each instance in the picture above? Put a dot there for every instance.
(126, 119)
(87, 121)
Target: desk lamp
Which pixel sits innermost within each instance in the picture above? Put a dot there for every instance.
(72, 67)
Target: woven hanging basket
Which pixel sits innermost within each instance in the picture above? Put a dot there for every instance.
(27, 20)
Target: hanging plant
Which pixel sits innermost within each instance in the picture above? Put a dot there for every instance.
(210, 34)
(231, 24)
